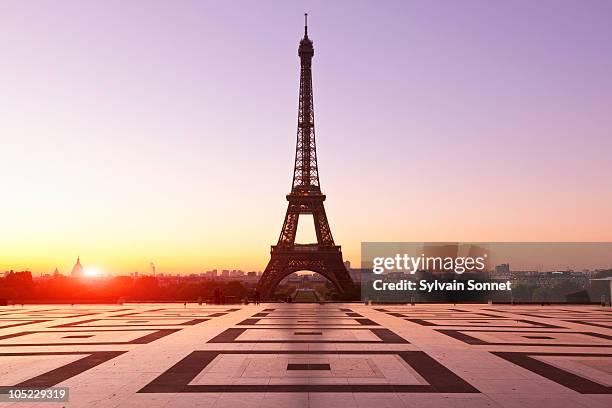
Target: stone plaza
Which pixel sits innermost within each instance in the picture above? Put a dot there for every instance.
(310, 355)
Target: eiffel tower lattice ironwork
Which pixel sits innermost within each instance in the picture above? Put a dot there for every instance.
(287, 257)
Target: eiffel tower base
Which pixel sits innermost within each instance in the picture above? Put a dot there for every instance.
(284, 262)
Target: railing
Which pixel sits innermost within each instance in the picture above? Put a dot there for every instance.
(306, 247)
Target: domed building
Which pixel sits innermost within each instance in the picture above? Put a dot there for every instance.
(77, 269)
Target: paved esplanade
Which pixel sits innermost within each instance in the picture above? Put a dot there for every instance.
(300, 355)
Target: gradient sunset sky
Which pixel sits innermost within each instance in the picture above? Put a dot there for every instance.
(163, 131)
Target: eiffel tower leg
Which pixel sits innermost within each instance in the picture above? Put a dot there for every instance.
(324, 235)
(287, 236)
(271, 277)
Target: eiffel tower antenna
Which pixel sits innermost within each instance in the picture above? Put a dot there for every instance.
(324, 256)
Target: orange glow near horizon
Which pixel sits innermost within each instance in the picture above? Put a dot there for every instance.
(91, 272)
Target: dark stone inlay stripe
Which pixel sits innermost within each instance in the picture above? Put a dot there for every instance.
(441, 315)
(596, 323)
(308, 367)
(367, 322)
(188, 322)
(248, 322)
(21, 324)
(385, 335)
(388, 336)
(308, 317)
(319, 322)
(177, 314)
(565, 378)
(466, 338)
(153, 336)
(424, 321)
(177, 378)
(157, 334)
(56, 376)
(54, 316)
(539, 337)
(566, 315)
(228, 336)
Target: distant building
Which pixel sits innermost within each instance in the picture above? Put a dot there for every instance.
(295, 278)
(77, 269)
(503, 268)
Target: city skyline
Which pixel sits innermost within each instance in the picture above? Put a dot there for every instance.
(148, 140)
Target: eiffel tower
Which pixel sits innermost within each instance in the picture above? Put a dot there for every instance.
(287, 257)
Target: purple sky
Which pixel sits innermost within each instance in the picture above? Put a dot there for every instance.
(164, 131)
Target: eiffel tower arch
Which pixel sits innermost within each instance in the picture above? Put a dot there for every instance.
(324, 256)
